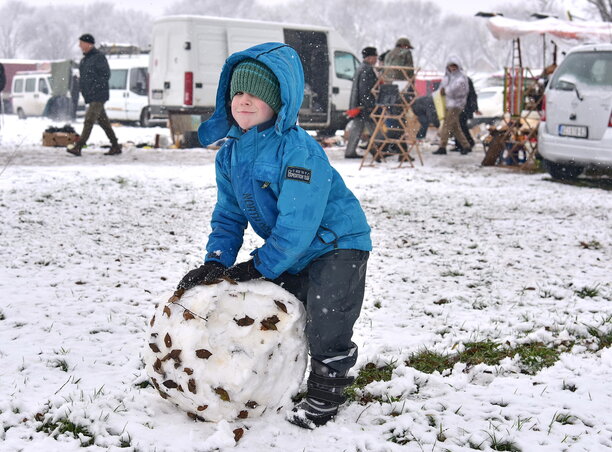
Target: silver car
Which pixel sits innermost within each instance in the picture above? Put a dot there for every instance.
(576, 131)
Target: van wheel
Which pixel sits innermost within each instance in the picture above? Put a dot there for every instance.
(562, 171)
(145, 117)
(20, 113)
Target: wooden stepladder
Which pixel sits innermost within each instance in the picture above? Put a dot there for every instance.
(395, 125)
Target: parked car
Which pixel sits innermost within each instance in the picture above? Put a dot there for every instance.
(576, 131)
(490, 104)
(31, 91)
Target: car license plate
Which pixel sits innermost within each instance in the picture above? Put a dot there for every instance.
(157, 94)
(573, 131)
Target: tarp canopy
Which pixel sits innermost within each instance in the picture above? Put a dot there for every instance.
(576, 32)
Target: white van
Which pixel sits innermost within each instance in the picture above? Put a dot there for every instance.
(30, 92)
(188, 53)
(128, 91)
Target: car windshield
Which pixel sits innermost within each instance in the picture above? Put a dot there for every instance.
(588, 69)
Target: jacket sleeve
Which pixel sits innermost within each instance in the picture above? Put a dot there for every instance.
(301, 205)
(102, 67)
(228, 222)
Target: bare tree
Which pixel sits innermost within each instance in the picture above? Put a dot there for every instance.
(12, 33)
(604, 7)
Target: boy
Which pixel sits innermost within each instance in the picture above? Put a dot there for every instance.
(272, 175)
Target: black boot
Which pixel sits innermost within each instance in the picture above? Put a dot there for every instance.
(440, 151)
(114, 150)
(324, 396)
(74, 149)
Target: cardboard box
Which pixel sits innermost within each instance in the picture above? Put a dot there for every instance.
(59, 139)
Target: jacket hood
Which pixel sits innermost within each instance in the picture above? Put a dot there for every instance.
(453, 59)
(285, 63)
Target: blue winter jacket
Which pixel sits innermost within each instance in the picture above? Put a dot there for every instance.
(278, 179)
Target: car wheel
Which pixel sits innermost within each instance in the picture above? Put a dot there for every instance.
(145, 117)
(20, 113)
(562, 171)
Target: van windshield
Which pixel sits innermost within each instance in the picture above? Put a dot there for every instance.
(591, 69)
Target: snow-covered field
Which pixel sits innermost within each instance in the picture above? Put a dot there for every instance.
(462, 254)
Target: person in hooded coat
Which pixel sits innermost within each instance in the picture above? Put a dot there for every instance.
(455, 88)
(274, 176)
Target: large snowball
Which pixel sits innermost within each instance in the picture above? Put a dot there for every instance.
(225, 351)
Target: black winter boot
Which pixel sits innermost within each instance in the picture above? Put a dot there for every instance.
(74, 149)
(114, 150)
(440, 151)
(324, 396)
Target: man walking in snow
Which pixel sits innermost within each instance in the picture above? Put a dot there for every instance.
(94, 75)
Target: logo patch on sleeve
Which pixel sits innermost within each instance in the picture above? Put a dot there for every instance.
(297, 173)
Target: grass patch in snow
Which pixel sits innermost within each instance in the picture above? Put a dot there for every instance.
(367, 374)
(591, 245)
(66, 426)
(502, 444)
(61, 364)
(587, 292)
(604, 339)
(533, 357)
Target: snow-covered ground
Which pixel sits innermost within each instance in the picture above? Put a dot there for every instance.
(462, 254)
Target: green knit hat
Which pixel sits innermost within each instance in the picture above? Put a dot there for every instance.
(251, 76)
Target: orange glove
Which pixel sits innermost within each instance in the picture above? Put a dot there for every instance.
(353, 112)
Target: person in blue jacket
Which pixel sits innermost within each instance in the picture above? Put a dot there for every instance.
(274, 176)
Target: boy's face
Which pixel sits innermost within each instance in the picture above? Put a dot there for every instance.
(249, 111)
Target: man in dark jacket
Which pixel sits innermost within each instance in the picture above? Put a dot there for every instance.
(2, 83)
(94, 75)
(2, 78)
(362, 100)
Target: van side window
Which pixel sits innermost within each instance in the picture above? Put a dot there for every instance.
(345, 64)
(138, 81)
(30, 85)
(18, 86)
(42, 86)
(118, 79)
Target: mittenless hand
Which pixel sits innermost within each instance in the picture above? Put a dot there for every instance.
(209, 273)
(244, 271)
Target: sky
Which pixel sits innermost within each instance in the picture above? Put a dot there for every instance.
(158, 7)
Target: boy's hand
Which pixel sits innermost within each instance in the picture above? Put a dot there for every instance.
(244, 271)
(209, 273)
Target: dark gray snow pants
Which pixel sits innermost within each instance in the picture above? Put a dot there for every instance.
(332, 289)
